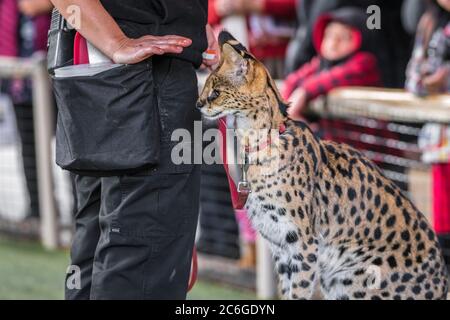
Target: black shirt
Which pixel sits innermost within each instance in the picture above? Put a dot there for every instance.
(186, 18)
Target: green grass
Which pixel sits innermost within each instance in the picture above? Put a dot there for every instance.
(27, 271)
(208, 291)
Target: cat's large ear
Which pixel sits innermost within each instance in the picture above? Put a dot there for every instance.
(234, 55)
(235, 61)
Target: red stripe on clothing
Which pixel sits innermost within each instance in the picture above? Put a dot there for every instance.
(9, 21)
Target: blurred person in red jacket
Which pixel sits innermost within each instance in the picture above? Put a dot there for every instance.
(342, 60)
(346, 56)
(271, 24)
(23, 32)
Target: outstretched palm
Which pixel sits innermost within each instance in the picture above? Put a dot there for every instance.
(136, 50)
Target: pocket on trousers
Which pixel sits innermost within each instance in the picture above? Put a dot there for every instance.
(155, 206)
(108, 123)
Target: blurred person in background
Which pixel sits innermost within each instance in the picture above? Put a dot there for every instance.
(347, 55)
(412, 11)
(23, 32)
(393, 48)
(344, 58)
(428, 73)
(271, 24)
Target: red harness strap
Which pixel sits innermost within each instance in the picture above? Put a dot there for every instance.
(239, 195)
(223, 152)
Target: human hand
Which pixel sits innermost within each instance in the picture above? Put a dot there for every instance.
(213, 46)
(437, 82)
(32, 8)
(131, 51)
(298, 104)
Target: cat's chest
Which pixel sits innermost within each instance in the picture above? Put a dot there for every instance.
(269, 217)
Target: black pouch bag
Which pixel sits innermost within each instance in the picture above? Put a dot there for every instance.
(108, 124)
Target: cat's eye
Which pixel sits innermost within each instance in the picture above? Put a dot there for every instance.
(213, 96)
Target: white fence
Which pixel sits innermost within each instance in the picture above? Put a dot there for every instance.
(35, 69)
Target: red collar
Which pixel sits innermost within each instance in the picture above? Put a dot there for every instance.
(265, 143)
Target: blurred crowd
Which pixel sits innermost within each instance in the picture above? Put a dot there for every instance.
(314, 45)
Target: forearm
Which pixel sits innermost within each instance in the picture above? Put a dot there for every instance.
(45, 6)
(95, 24)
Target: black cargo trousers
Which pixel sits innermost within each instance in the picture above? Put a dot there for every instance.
(135, 233)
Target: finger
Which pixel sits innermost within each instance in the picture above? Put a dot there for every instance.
(167, 48)
(183, 41)
(216, 58)
(135, 55)
(173, 36)
(144, 53)
(210, 64)
(170, 48)
(149, 36)
(431, 80)
(431, 77)
(171, 42)
(438, 76)
(159, 42)
(153, 50)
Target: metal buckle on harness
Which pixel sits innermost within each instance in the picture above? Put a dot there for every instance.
(244, 185)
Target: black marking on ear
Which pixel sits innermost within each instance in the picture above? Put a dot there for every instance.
(226, 38)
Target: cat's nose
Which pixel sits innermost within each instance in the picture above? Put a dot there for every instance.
(200, 104)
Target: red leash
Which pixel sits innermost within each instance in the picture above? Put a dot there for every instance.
(194, 270)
